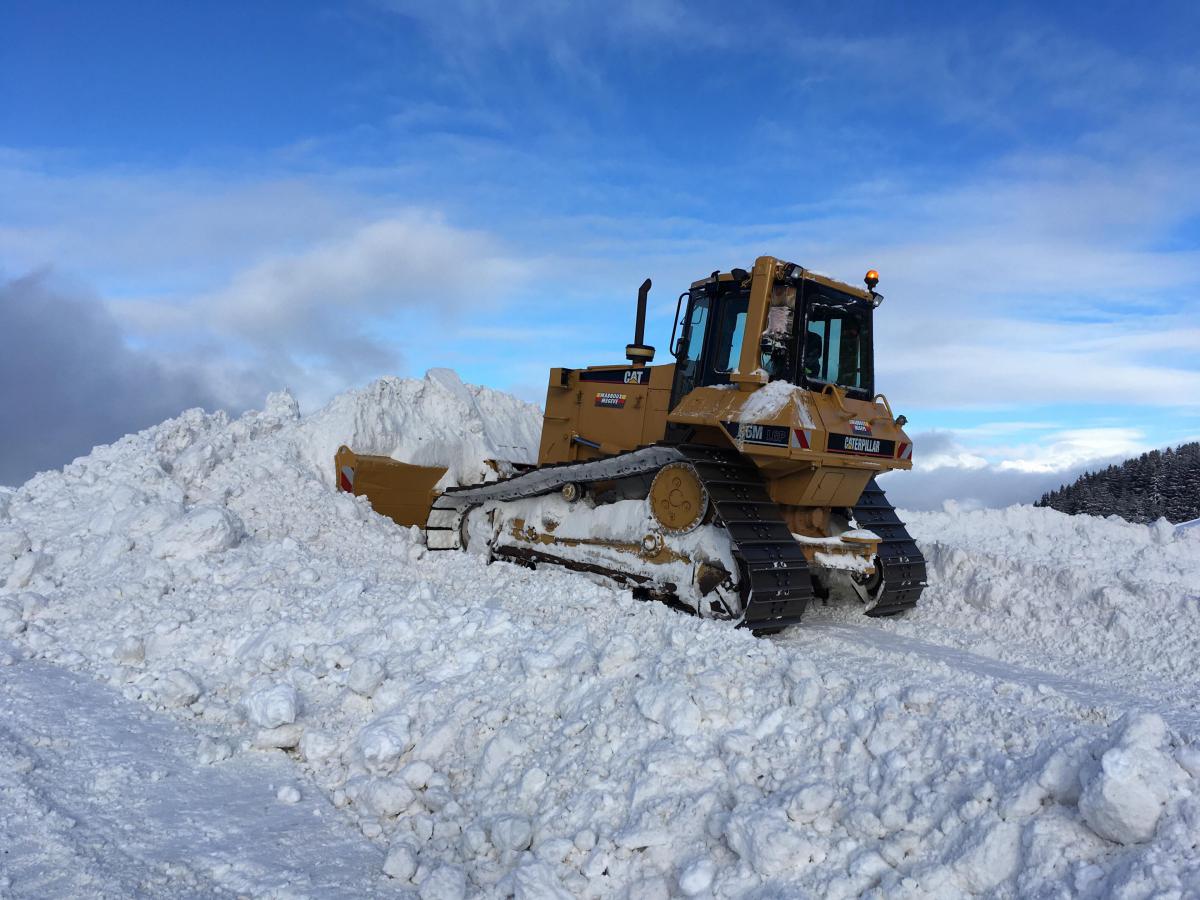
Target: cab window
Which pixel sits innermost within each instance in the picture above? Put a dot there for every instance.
(727, 345)
(837, 345)
(693, 335)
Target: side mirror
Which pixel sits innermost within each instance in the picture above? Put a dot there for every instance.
(681, 347)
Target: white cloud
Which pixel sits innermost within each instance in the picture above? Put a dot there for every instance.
(972, 487)
(313, 315)
(471, 28)
(295, 279)
(941, 450)
(1073, 447)
(293, 268)
(995, 429)
(410, 261)
(989, 362)
(321, 310)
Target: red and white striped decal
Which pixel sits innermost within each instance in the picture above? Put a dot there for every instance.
(802, 438)
(346, 482)
(904, 450)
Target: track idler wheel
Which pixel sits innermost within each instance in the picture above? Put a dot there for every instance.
(678, 498)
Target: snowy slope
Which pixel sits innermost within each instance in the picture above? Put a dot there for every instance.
(491, 731)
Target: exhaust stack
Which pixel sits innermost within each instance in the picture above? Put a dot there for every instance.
(637, 352)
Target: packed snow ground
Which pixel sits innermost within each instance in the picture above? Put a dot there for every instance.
(489, 731)
(123, 808)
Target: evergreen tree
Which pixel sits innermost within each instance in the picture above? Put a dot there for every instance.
(1161, 483)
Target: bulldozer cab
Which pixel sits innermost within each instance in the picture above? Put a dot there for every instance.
(735, 332)
(814, 333)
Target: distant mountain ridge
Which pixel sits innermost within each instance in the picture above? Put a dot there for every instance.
(1158, 484)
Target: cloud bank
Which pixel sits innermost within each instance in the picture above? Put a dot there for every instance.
(68, 381)
(944, 469)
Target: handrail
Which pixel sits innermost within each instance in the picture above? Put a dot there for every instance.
(881, 398)
(839, 396)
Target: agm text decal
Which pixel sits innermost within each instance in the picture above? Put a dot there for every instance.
(752, 433)
(618, 376)
(846, 443)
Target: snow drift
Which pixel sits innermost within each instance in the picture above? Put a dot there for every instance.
(499, 732)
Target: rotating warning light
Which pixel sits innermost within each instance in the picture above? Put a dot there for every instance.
(872, 279)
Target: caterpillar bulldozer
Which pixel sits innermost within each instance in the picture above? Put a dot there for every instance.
(737, 482)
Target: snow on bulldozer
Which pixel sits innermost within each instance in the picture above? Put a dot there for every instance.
(738, 481)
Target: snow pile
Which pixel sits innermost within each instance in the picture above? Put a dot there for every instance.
(437, 421)
(500, 732)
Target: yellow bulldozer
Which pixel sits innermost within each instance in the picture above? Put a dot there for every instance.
(736, 482)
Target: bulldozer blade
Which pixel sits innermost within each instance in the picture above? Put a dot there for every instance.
(401, 491)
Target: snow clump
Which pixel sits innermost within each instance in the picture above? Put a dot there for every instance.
(1126, 795)
(202, 531)
(270, 707)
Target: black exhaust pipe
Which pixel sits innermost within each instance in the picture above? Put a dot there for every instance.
(639, 331)
(638, 353)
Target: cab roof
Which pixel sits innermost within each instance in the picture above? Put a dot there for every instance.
(808, 275)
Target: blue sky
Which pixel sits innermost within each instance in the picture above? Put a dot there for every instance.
(314, 194)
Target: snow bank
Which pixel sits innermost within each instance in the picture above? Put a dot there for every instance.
(500, 732)
(1039, 584)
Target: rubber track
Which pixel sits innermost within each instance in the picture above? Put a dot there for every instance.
(775, 580)
(903, 564)
(775, 577)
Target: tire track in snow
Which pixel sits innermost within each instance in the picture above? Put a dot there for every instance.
(1090, 694)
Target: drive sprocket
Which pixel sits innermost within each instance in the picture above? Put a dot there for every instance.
(678, 499)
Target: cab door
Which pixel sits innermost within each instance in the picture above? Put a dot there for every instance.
(689, 352)
(710, 343)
